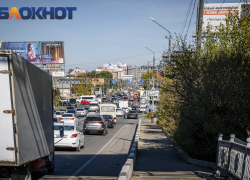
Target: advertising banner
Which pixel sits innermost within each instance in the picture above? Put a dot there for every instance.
(27, 50)
(98, 81)
(38, 52)
(58, 74)
(51, 52)
(215, 13)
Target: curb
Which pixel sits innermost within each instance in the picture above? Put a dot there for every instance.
(128, 167)
(186, 157)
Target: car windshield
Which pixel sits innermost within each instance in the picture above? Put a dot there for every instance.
(70, 107)
(79, 109)
(67, 115)
(66, 128)
(93, 119)
(107, 116)
(86, 108)
(59, 113)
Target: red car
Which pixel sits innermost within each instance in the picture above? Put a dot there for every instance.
(84, 102)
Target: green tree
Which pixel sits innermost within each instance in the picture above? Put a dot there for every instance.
(208, 93)
(56, 96)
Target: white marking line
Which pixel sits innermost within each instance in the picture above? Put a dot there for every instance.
(89, 161)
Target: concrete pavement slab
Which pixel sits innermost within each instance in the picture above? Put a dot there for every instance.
(158, 159)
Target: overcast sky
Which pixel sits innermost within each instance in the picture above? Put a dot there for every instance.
(106, 31)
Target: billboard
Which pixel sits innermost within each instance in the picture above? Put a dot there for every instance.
(51, 52)
(27, 50)
(58, 74)
(38, 52)
(215, 13)
(98, 81)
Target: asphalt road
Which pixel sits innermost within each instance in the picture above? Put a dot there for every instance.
(101, 158)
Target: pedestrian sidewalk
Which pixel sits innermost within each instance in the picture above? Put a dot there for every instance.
(158, 159)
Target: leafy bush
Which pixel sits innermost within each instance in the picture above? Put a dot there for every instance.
(208, 93)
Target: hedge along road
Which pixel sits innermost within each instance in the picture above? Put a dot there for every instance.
(101, 158)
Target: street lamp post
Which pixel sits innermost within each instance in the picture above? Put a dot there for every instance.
(153, 88)
(169, 43)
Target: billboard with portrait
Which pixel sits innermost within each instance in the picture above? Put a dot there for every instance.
(38, 52)
(27, 50)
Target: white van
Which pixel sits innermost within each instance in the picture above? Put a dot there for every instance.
(108, 109)
(89, 98)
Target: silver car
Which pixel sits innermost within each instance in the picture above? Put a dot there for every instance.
(92, 112)
(81, 112)
(95, 123)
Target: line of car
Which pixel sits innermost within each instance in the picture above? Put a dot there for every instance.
(74, 136)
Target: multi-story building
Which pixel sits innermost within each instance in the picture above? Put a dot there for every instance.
(117, 70)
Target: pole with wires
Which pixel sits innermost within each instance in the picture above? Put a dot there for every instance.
(200, 18)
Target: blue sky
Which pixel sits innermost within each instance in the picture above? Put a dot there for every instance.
(104, 31)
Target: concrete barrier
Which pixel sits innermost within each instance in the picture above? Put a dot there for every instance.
(128, 167)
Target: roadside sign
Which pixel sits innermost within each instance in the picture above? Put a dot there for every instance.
(143, 94)
(143, 101)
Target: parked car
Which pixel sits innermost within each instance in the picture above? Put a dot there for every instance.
(73, 136)
(132, 114)
(110, 120)
(104, 99)
(119, 112)
(95, 123)
(92, 111)
(84, 102)
(81, 112)
(69, 118)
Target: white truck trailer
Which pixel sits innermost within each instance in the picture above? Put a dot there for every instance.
(26, 118)
(123, 104)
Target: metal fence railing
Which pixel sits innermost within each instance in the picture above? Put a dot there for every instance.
(233, 158)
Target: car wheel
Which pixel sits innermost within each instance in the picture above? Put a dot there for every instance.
(104, 133)
(79, 147)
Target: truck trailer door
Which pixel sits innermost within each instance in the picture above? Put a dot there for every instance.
(6, 120)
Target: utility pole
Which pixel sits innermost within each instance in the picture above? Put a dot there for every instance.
(200, 18)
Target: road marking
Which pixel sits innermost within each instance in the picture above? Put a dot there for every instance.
(89, 161)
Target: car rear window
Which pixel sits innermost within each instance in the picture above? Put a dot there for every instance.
(70, 107)
(79, 109)
(59, 113)
(93, 119)
(132, 111)
(92, 110)
(66, 128)
(71, 111)
(118, 110)
(107, 116)
(67, 115)
(93, 104)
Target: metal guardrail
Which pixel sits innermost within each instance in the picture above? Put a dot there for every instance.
(233, 158)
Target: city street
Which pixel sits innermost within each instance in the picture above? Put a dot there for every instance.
(101, 158)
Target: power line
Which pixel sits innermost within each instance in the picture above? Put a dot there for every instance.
(185, 20)
(190, 19)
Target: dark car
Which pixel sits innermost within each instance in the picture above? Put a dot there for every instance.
(95, 123)
(132, 114)
(72, 102)
(110, 120)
